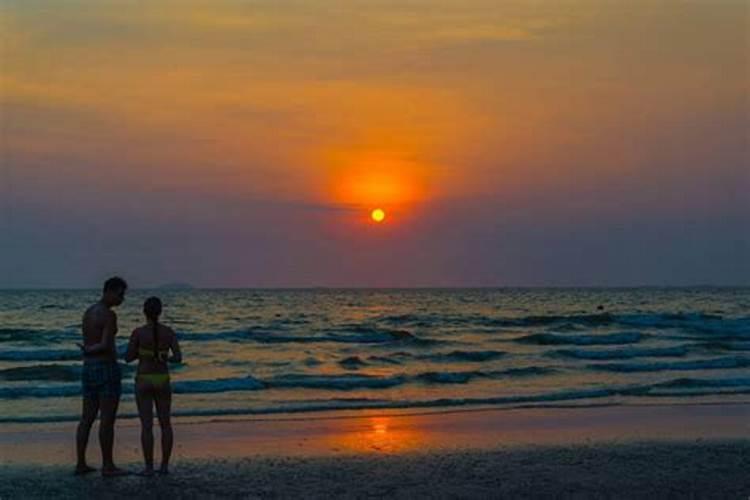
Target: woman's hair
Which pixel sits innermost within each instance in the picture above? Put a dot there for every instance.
(152, 310)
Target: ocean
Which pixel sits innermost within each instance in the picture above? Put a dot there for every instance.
(265, 352)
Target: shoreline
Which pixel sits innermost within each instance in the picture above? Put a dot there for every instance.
(349, 413)
(378, 431)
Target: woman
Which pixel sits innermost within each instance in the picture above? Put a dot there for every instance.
(151, 344)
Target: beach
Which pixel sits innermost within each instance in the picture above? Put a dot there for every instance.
(663, 451)
(499, 393)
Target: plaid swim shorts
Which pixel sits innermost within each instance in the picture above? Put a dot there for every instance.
(101, 379)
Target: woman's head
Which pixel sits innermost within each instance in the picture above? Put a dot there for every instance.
(152, 308)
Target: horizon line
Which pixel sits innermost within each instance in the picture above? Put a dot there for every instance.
(426, 287)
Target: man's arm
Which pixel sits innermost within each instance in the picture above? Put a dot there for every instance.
(108, 336)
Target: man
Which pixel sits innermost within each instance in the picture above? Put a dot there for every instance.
(101, 379)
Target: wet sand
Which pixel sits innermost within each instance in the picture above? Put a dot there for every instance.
(617, 452)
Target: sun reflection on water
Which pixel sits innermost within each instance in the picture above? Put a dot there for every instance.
(380, 434)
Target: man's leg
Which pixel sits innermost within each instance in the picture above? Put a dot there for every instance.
(88, 415)
(108, 408)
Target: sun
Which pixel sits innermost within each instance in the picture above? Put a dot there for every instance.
(378, 215)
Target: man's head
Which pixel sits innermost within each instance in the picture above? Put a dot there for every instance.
(113, 293)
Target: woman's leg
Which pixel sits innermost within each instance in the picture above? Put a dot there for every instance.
(163, 400)
(145, 401)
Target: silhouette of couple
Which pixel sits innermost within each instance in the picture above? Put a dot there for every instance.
(150, 344)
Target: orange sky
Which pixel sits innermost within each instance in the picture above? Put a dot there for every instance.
(346, 105)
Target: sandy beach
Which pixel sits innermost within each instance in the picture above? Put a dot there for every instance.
(613, 452)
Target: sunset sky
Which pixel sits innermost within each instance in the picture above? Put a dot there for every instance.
(245, 143)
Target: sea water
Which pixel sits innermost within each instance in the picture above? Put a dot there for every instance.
(258, 352)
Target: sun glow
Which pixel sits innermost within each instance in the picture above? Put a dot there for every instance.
(378, 215)
(373, 179)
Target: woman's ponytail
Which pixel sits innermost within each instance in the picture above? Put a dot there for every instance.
(152, 310)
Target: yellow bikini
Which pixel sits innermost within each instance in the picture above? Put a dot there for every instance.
(155, 379)
(148, 353)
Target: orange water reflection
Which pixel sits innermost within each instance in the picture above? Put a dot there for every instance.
(380, 434)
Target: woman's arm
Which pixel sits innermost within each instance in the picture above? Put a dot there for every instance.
(132, 352)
